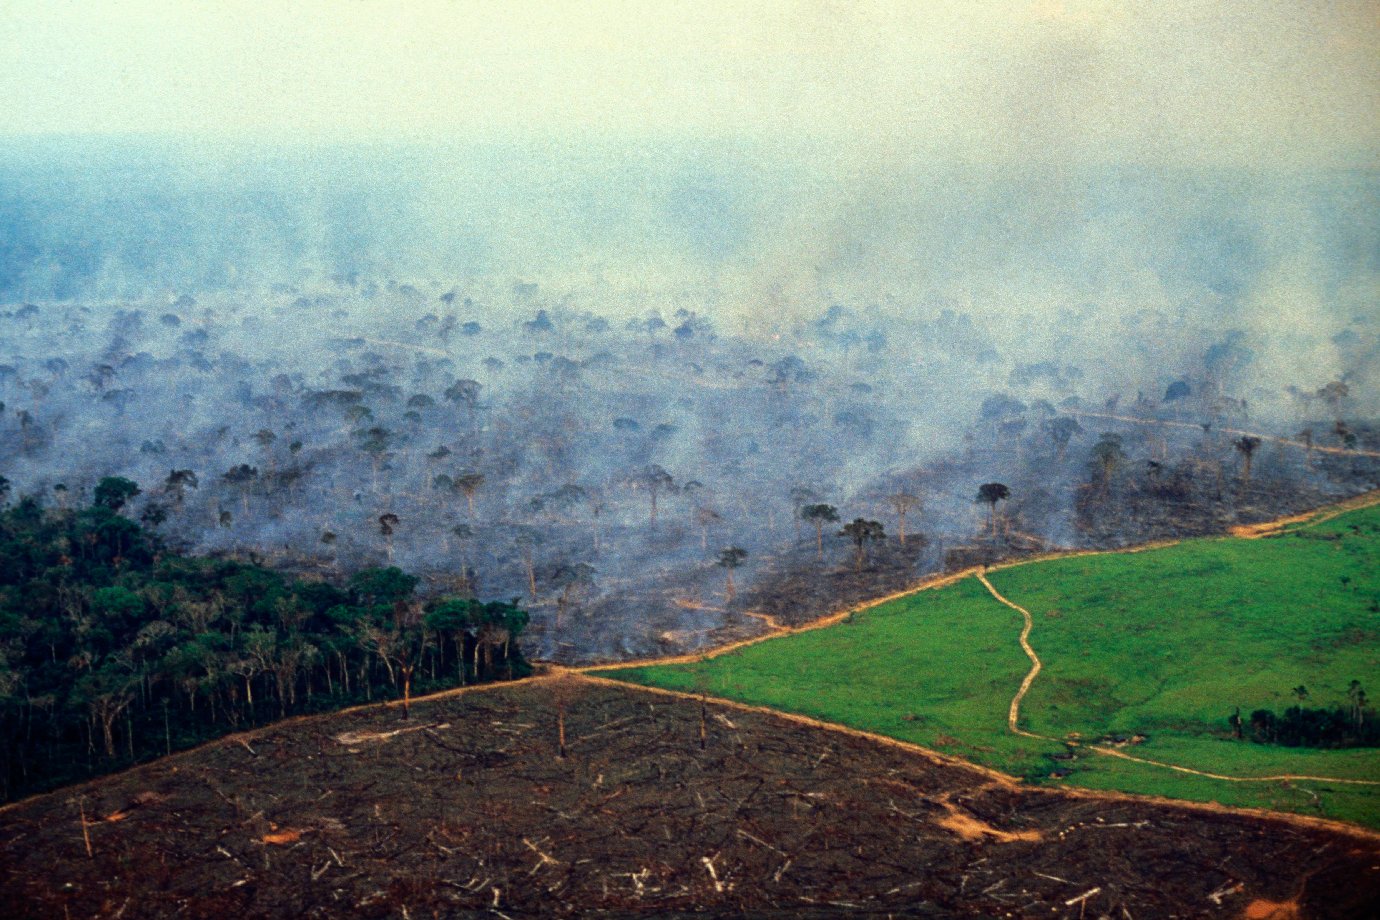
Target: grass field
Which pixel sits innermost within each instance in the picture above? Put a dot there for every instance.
(1165, 643)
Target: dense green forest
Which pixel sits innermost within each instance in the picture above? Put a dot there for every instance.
(115, 648)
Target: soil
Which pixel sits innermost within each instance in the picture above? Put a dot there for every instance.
(466, 810)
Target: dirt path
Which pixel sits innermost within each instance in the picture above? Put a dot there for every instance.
(776, 629)
(1014, 713)
(1274, 439)
(1307, 519)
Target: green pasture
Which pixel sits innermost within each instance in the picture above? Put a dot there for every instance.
(1165, 643)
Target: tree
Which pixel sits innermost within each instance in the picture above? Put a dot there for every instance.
(902, 502)
(527, 541)
(388, 522)
(990, 493)
(454, 618)
(154, 514)
(1107, 456)
(862, 532)
(406, 649)
(382, 586)
(655, 480)
(375, 442)
(468, 483)
(114, 492)
(328, 539)
(242, 477)
(464, 393)
(571, 579)
(819, 515)
(730, 558)
(1061, 430)
(1247, 446)
(177, 484)
(265, 439)
(1177, 390)
(1357, 695)
(106, 692)
(1333, 394)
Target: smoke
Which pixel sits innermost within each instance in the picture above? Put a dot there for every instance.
(805, 247)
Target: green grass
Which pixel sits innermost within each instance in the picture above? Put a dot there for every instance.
(1165, 642)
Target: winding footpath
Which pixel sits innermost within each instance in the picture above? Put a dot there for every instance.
(1013, 715)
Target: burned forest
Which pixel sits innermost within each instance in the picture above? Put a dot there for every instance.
(519, 443)
(690, 459)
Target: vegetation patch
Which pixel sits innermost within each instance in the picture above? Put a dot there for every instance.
(115, 649)
(1138, 648)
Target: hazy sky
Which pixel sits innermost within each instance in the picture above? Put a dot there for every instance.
(1237, 82)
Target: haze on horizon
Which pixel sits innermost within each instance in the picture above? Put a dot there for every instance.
(1251, 85)
(775, 156)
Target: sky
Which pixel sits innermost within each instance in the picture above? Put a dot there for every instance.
(1238, 83)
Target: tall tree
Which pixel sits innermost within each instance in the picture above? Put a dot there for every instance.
(527, 541)
(730, 558)
(655, 480)
(1247, 445)
(1107, 456)
(177, 484)
(243, 478)
(1357, 695)
(706, 518)
(468, 483)
(1333, 394)
(114, 492)
(902, 502)
(1061, 430)
(862, 532)
(375, 441)
(800, 497)
(571, 580)
(990, 493)
(388, 523)
(819, 515)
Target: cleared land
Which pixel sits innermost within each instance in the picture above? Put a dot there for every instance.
(1164, 644)
(466, 811)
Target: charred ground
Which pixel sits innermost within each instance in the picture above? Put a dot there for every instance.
(466, 809)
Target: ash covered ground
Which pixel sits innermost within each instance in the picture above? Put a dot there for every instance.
(466, 809)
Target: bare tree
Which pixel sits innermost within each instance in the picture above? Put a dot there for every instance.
(902, 502)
